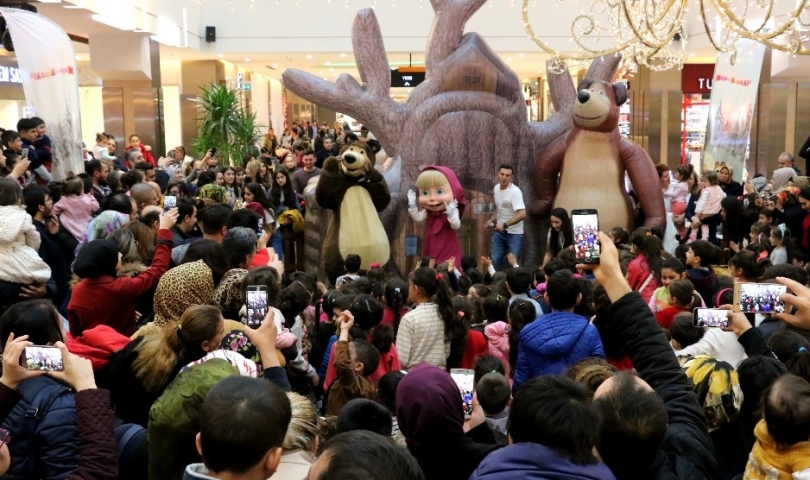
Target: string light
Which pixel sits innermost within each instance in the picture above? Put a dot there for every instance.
(652, 33)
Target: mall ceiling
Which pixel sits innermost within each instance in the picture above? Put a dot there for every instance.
(329, 62)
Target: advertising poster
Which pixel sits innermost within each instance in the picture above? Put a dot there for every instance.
(731, 110)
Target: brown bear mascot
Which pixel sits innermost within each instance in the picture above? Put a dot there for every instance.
(356, 193)
(591, 160)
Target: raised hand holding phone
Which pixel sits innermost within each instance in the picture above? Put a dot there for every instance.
(13, 372)
(799, 299)
(78, 371)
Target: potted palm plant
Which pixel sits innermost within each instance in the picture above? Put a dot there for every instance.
(225, 124)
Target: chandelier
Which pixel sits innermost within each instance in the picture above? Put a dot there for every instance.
(652, 33)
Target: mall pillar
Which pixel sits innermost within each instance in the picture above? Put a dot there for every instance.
(196, 74)
(129, 65)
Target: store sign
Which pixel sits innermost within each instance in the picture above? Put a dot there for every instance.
(406, 79)
(246, 87)
(10, 75)
(734, 94)
(697, 78)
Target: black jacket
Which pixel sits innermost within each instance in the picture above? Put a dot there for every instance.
(52, 255)
(687, 451)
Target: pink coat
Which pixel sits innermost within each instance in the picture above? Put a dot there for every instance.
(75, 213)
(498, 335)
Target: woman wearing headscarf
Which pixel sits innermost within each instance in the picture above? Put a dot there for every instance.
(781, 177)
(182, 287)
(790, 212)
(431, 418)
(229, 293)
(102, 298)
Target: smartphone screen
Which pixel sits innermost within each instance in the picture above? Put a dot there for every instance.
(24, 153)
(759, 298)
(43, 359)
(710, 317)
(586, 235)
(464, 379)
(213, 152)
(256, 304)
(169, 202)
(260, 230)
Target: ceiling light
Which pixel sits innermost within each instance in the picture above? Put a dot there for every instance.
(331, 69)
(219, 55)
(275, 65)
(327, 63)
(508, 59)
(78, 57)
(521, 55)
(309, 57)
(247, 59)
(342, 55)
(320, 73)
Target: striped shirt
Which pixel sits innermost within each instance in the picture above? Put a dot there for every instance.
(420, 338)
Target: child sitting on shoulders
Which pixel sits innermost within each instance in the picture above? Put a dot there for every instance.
(354, 362)
(75, 208)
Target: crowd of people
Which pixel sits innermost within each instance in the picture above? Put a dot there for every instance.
(187, 351)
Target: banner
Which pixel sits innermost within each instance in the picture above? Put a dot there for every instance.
(734, 94)
(50, 79)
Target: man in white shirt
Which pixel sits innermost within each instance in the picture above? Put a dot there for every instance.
(507, 222)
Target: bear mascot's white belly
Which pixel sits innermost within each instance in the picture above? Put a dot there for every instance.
(361, 231)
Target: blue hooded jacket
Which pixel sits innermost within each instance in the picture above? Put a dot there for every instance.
(554, 342)
(531, 461)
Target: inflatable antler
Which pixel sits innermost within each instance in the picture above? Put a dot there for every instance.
(369, 103)
(447, 29)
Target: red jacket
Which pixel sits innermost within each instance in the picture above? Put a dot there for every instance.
(666, 316)
(477, 346)
(638, 271)
(111, 300)
(97, 344)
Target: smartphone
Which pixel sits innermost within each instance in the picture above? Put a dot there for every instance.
(760, 298)
(169, 202)
(586, 235)
(464, 379)
(43, 359)
(213, 152)
(256, 304)
(710, 317)
(24, 153)
(260, 230)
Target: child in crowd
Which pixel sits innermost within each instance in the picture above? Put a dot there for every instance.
(699, 258)
(759, 234)
(497, 329)
(351, 264)
(387, 395)
(354, 362)
(395, 295)
(678, 191)
(782, 448)
(682, 298)
(683, 333)
(671, 269)
(620, 238)
(644, 271)
(707, 210)
(20, 264)
(75, 208)
(492, 392)
(43, 143)
(781, 241)
(766, 217)
(29, 133)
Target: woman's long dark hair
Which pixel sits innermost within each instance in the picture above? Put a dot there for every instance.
(455, 330)
(567, 231)
(653, 249)
(734, 229)
(290, 200)
(237, 189)
(259, 195)
(521, 313)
